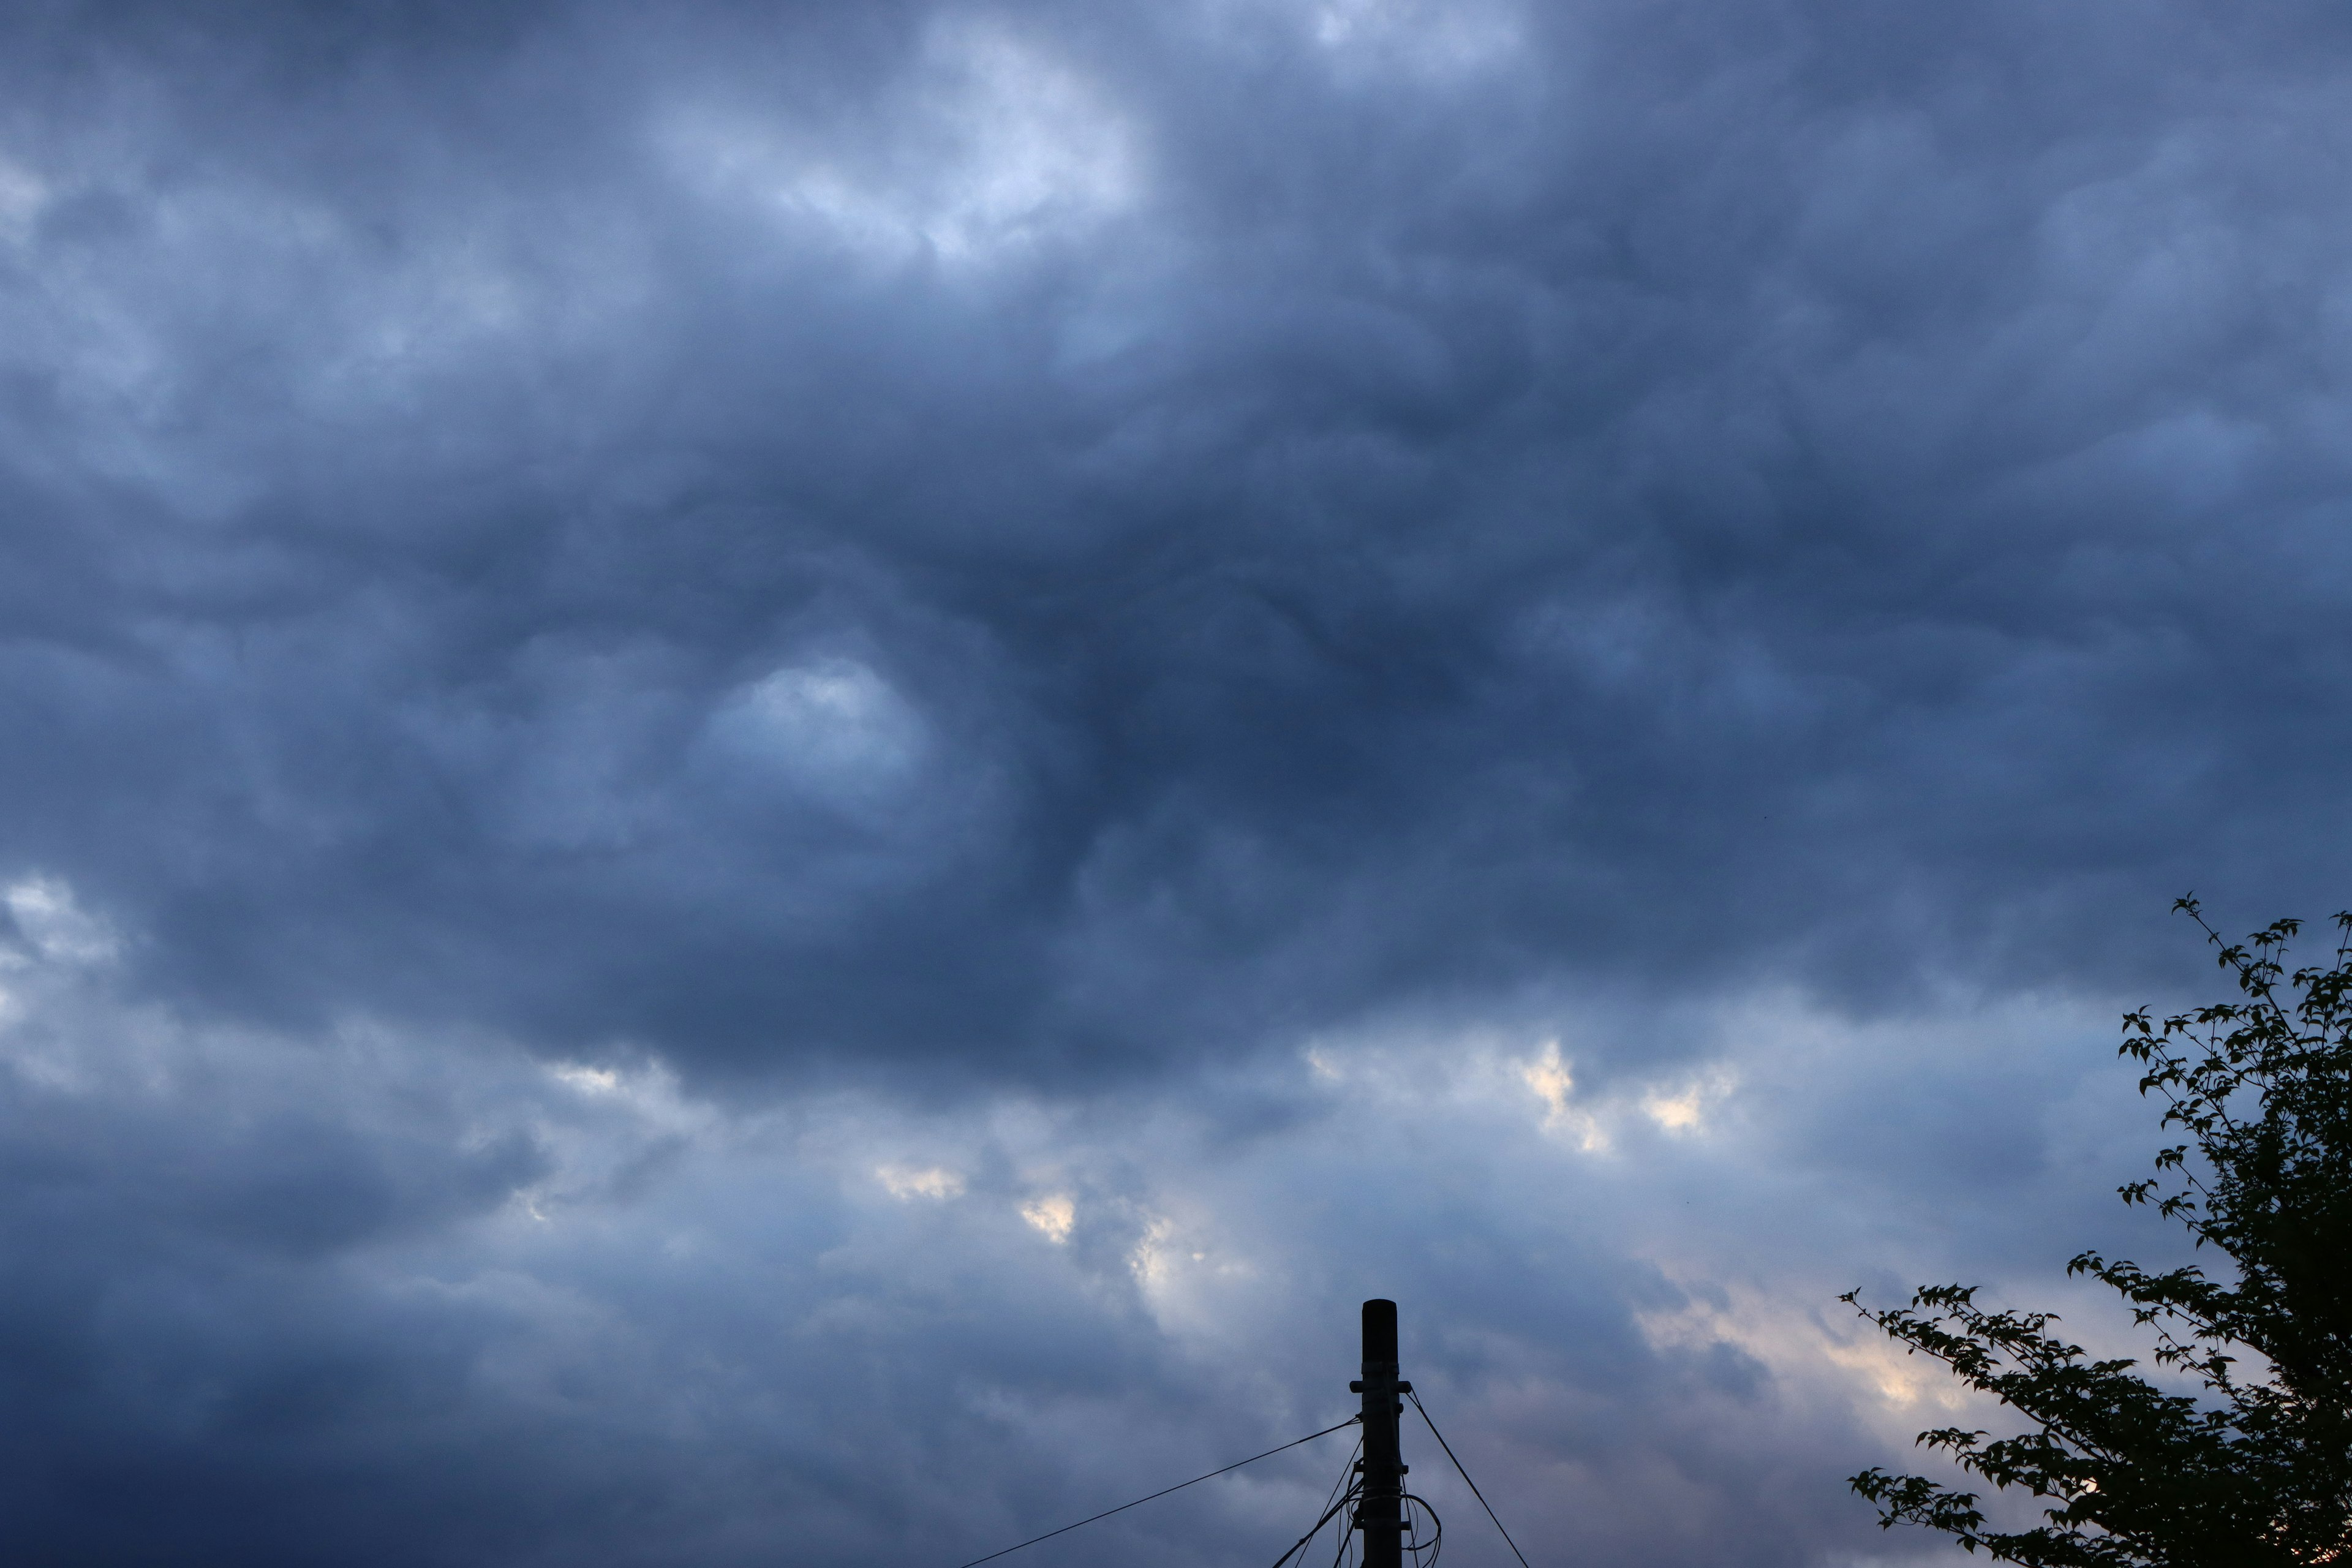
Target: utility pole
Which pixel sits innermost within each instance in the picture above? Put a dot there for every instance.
(1380, 1513)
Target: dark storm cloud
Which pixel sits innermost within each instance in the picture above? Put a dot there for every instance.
(1550, 559)
(1368, 519)
(1666, 497)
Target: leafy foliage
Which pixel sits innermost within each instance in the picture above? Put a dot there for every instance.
(2256, 1469)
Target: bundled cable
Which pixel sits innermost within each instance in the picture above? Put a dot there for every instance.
(1415, 1546)
(1344, 1492)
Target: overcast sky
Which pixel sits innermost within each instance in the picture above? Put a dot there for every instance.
(778, 783)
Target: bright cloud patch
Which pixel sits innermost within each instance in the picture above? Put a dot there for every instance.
(1684, 1109)
(832, 728)
(1423, 40)
(1550, 1077)
(44, 910)
(1051, 1216)
(936, 1183)
(992, 145)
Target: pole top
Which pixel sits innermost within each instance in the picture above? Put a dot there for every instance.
(1381, 1331)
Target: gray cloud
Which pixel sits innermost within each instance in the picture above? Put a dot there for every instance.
(1477, 497)
(880, 571)
(404, 1299)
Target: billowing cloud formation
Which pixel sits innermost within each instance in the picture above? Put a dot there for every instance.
(695, 707)
(415, 1300)
(1052, 541)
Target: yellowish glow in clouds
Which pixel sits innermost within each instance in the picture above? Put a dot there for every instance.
(1052, 1216)
(908, 1183)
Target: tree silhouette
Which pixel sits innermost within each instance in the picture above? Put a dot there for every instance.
(2256, 1467)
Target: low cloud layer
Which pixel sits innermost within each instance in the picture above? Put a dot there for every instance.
(710, 724)
(422, 1299)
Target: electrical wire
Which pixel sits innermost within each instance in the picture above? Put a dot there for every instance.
(1347, 1539)
(1466, 1476)
(1346, 1473)
(1333, 1501)
(1319, 1524)
(1414, 1545)
(1163, 1491)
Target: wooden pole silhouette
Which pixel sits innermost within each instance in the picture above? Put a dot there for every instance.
(1379, 1513)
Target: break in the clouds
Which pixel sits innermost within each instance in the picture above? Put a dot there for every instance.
(780, 781)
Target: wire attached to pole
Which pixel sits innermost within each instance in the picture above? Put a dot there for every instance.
(1163, 1491)
(1466, 1476)
(1342, 1493)
(1425, 1553)
(1311, 1534)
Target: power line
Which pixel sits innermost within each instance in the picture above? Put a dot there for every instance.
(1163, 1491)
(1333, 1503)
(1465, 1476)
(1435, 1542)
(1311, 1534)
